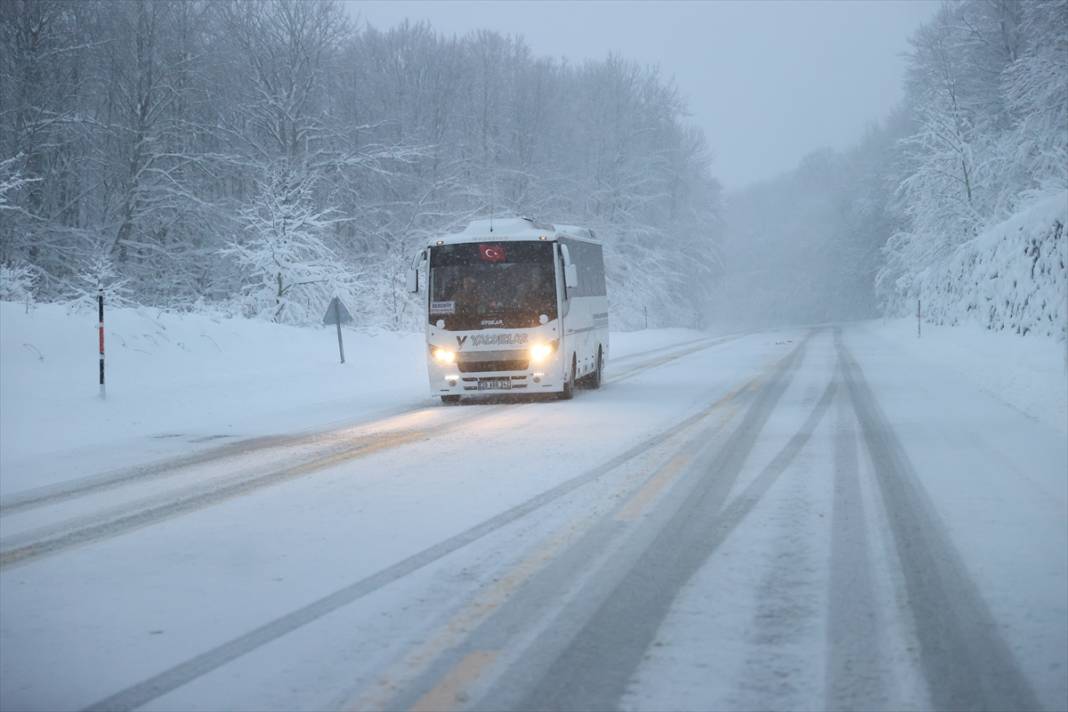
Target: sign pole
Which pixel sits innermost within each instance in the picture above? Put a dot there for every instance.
(340, 343)
(336, 313)
(100, 330)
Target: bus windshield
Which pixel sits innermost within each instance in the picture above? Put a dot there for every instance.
(492, 285)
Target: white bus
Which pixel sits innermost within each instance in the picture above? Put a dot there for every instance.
(514, 306)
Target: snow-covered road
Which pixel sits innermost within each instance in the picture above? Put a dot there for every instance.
(809, 519)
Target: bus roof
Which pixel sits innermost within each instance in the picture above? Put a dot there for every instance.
(512, 230)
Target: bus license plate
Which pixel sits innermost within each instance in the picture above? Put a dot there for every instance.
(486, 384)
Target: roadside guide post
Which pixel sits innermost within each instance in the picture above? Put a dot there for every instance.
(337, 314)
(100, 332)
(917, 318)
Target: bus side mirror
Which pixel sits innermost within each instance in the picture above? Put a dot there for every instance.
(413, 273)
(570, 276)
(570, 270)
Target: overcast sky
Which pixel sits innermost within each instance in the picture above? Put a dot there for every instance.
(767, 81)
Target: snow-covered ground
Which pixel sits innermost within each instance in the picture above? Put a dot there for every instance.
(818, 599)
(809, 518)
(1030, 374)
(349, 520)
(178, 383)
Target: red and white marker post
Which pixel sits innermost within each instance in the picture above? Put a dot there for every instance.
(100, 329)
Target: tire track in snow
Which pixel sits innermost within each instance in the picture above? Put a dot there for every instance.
(775, 662)
(34, 544)
(183, 673)
(533, 591)
(562, 597)
(92, 484)
(51, 539)
(965, 661)
(676, 351)
(854, 645)
(593, 670)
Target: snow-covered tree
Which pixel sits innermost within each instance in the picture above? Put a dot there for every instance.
(17, 281)
(987, 85)
(288, 272)
(161, 131)
(1035, 94)
(98, 274)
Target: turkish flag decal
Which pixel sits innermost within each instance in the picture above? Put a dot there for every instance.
(491, 253)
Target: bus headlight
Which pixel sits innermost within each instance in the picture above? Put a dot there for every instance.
(540, 353)
(444, 356)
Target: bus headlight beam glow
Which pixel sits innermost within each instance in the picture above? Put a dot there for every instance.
(539, 353)
(444, 356)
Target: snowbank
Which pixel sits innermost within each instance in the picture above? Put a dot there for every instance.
(181, 382)
(50, 353)
(1012, 277)
(1030, 374)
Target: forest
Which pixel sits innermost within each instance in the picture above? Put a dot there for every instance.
(257, 158)
(261, 157)
(981, 137)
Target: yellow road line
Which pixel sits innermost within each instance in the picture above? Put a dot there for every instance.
(449, 693)
(446, 693)
(454, 631)
(652, 487)
(633, 508)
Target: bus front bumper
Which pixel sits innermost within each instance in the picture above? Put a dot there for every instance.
(450, 380)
